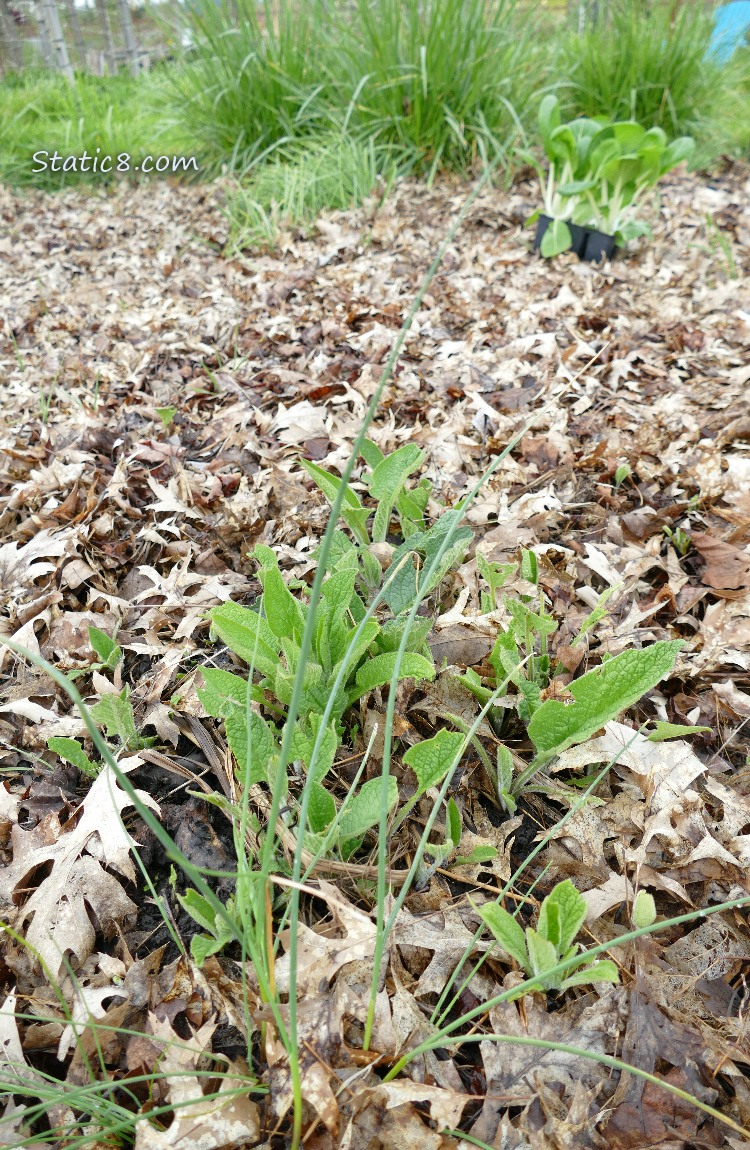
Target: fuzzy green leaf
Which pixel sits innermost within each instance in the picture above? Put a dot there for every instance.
(248, 635)
(433, 758)
(508, 932)
(255, 756)
(115, 714)
(321, 809)
(479, 854)
(542, 952)
(664, 731)
(352, 511)
(72, 752)
(107, 650)
(222, 692)
(363, 811)
(199, 909)
(604, 971)
(202, 946)
(386, 482)
(561, 915)
(600, 696)
(454, 825)
(284, 613)
(379, 671)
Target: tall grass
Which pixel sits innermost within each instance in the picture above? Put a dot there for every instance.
(41, 111)
(255, 81)
(649, 62)
(444, 81)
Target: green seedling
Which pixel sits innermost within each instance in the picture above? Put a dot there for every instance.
(218, 931)
(680, 540)
(598, 697)
(72, 752)
(110, 654)
(644, 910)
(599, 172)
(166, 415)
(386, 481)
(350, 656)
(622, 473)
(109, 657)
(552, 942)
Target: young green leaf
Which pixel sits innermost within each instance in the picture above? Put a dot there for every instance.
(379, 671)
(561, 915)
(247, 634)
(663, 731)
(107, 650)
(285, 614)
(115, 714)
(600, 696)
(508, 932)
(321, 809)
(256, 756)
(199, 908)
(72, 752)
(363, 811)
(352, 511)
(433, 758)
(644, 910)
(223, 692)
(386, 482)
(604, 971)
(542, 952)
(480, 854)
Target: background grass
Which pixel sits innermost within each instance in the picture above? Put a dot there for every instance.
(41, 111)
(649, 63)
(289, 94)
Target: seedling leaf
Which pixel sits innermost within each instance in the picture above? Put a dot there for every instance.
(600, 696)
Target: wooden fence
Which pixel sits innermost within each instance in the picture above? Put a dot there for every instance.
(96, 36)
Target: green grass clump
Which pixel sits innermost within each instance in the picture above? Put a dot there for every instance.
(302, 180)
(256, 81)
(442, 82)
(649, 63)
(445, 81)
(41, 111)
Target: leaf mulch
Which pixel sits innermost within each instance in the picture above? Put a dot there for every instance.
(118, 304)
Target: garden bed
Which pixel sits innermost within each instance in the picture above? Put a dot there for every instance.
(156, 399)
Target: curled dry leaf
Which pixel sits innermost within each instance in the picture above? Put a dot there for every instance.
(222, 1120)
(727, 568)
(78, 882)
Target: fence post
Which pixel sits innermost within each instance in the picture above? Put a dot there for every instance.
(11, 57)
(75, 28)
(131, 48)
(109, 53)
(53, 33)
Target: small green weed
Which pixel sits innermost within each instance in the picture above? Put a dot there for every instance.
(542, 950)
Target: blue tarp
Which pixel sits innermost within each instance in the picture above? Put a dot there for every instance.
(731, 25)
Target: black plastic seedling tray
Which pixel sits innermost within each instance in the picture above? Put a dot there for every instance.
(589, 244)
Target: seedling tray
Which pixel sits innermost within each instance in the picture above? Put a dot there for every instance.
(589, 244)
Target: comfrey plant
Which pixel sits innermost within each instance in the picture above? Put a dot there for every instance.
(599, 173)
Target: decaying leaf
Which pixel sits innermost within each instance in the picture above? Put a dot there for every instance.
(57, 910)
(221, 1120)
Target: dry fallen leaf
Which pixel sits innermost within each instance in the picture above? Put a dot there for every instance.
(221, 1121)
(59, 907)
